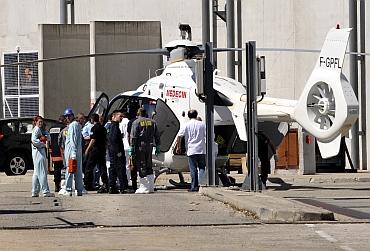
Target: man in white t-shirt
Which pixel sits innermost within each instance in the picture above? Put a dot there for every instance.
(194, 133)
(123, 128)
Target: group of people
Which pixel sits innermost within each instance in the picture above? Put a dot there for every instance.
(126, 145)
(86, 149)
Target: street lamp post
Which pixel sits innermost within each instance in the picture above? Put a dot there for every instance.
(18, 48)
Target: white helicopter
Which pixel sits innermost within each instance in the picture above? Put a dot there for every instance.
(327, 107)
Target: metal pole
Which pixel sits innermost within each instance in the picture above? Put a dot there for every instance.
(41, 74)
(208, 86)
(252, 181)
(230, 27)
(18, 80)
(363, 86)
(92, 65)
(253, 116)
(205, 22)
(240, 37)
(214, 24)
(354, 76)
(63, 12)
(72, 10)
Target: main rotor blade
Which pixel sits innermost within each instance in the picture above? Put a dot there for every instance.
(136, 52)
(227, 49)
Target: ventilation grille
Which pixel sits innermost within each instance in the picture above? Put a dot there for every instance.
(20, 86)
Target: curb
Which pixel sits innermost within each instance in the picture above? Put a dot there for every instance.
(328, 178)
(268, 208)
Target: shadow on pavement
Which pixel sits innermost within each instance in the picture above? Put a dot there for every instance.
(19, 211)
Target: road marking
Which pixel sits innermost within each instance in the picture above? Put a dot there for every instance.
(328, 237)
(325, 236)
(347, 248)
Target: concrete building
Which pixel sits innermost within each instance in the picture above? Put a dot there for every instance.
(272, 23)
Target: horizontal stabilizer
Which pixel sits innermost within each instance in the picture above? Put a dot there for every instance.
(330, 149)
(238, 110)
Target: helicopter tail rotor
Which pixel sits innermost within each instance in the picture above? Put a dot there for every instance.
(328, 106)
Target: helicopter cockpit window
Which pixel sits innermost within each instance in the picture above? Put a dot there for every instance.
(101, 105)
(130, 105)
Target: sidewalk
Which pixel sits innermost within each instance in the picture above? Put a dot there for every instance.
(360, 176)
(289, 177)
(267, 208)
(282, 201)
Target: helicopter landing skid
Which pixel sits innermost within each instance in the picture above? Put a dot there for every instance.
(159, 172)
(181, 184)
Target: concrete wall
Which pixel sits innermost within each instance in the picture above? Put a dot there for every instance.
(115, 74)
(290, 24)
(66, 83)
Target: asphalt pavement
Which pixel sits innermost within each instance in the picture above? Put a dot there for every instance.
(283, 217)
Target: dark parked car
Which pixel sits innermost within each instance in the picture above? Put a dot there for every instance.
(15, 144)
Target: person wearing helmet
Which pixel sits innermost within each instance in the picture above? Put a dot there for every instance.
(73, 154)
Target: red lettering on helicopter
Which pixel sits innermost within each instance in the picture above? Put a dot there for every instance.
(176, 94)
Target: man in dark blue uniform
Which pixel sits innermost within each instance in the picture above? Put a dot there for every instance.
(144, 135)
(117, 157)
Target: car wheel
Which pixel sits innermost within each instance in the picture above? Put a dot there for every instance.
(16, 164)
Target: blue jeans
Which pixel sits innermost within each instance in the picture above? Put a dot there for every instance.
(196, 161)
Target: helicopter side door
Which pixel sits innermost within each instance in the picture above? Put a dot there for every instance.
(101, 105)
(167, 122)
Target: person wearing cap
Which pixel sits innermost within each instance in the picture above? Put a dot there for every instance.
(73, 154)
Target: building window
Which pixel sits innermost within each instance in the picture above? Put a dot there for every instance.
(20, 85)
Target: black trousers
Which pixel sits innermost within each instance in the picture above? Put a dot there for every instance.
(265, 170)
(58, 166)
(133, 173)
(117, 169)
(143, 160)
(95, 157)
